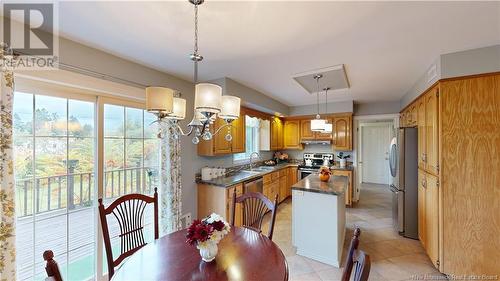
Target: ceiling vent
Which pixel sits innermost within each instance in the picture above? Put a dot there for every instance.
(334, 77)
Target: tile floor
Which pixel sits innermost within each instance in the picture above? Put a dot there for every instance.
(393, 257)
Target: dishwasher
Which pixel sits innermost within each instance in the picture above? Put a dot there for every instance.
(254, 185)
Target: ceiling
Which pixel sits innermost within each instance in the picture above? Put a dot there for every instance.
(385, 46)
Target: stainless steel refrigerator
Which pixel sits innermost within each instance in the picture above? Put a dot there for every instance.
(403, 162)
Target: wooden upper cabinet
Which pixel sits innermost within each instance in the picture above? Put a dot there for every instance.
(291, 135)
(276, 134)
(221, 145)
(239, 134)
(421, 132)
(342, 126)
(324, 136)
(305, 130)
(431, 131)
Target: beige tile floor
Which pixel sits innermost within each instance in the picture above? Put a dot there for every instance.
(393, 257)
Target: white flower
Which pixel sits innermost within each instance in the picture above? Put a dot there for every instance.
(214, 217)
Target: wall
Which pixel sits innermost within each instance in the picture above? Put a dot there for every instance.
(333, 107)
(374, 108)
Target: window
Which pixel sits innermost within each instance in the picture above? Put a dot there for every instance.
(55, 158)
(252, 141)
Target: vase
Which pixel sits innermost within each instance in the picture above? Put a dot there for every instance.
(324, 177)
(208, 250)
(342, 163)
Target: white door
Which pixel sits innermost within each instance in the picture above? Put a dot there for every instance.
(376, 141)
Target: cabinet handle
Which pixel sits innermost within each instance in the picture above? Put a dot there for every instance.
(424, 184)
(424, 157)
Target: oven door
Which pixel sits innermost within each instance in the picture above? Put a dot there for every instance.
(304, 173)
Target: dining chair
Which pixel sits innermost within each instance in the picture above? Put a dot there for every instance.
(129, 212)
(51, 266)
(255, 207)
(358, 258)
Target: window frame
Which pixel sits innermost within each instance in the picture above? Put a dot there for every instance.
(255, 136)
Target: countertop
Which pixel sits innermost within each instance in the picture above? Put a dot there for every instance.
(346, 168)
(336, 185)
(243, 176)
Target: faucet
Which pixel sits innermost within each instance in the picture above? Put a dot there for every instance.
(251, 157)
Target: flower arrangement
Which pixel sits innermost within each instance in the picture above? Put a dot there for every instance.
(324, 173)
(343, 158)
(206, 234)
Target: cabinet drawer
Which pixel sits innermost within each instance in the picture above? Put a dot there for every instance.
(267, 178)
(275, 176)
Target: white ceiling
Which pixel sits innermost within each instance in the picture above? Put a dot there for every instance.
(385, 46)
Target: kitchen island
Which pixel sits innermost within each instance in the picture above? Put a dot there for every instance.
(318, 218)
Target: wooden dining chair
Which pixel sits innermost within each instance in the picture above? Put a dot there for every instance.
(358, 258)
(51, 266)
(255, 206)
(129, 212)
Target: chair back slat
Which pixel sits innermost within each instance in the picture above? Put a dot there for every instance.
(358, 258)
(51, 266)
(254, 207)
(128, 211)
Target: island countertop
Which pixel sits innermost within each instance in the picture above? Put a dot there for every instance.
(336, 185)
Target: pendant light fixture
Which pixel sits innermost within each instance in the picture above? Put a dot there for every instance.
(209, 103)
(318, 124)
(328, 128)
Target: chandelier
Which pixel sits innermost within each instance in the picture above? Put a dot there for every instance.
(209, 103)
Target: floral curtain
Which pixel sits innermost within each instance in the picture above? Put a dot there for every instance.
(170, 195)
(7, 211)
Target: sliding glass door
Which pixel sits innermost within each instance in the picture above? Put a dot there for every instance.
(56, 162)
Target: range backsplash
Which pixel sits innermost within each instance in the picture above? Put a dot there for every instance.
(315, 148)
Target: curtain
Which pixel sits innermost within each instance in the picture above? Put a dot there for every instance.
(170, 195)
(7, 192)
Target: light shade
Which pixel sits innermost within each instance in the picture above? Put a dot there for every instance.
(328, 128)
(179, 109)
(207, 98)
(159, 99)
(318, 125)
(230, 107)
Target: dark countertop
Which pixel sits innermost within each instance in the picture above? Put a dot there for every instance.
(335, 186)
(244, 175)
(346, 168)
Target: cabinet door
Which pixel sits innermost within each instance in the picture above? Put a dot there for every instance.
(221, 145)
(275, 134)
(238, 132)
(421, 132)
(238, 219)
(431, 131)
(324, 136)
(292, 135)
(342, 133)
(421, 207)
(283, 187)
(305, 130)
(432, 218)
(280, 130)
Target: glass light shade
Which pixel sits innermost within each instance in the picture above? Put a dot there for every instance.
(230, 107)
(318, 125)
(208, 97)
(328, 128)
(179, 109)
(159, 99)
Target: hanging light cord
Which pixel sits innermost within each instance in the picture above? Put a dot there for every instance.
(317, 77)
(195, 44)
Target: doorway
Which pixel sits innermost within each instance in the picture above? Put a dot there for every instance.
(375, 143)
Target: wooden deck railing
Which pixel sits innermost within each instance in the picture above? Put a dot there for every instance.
(77, 189)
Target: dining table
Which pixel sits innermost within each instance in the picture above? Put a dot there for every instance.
(243, 254)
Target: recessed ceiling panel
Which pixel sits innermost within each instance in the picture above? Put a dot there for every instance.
(334, 78)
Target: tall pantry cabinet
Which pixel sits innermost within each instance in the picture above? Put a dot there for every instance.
(458, 123)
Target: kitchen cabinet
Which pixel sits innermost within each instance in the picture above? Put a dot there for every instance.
(349, 191)
(431, 131)
(292, 179)
(432, 218)
(305, 130)
(325, 136)
(421, 132)
(219, 200)
(276, 133)
(238, 131)
(342, 133)
(421, 207)
(283, 182)
(271, 185)
(292, 135)
(218, 145)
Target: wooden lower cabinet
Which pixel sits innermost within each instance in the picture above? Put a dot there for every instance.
(292, 179)
(219, 200)
(349, 191)
(432, 218)
(421, 207)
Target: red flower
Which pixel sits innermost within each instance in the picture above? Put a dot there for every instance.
(198, 231)
(218, 225)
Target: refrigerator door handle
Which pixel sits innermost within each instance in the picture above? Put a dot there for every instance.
(401, 207)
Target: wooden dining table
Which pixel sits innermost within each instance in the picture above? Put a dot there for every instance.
(244, 254)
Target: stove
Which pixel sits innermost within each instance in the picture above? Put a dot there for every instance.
(312, 163)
